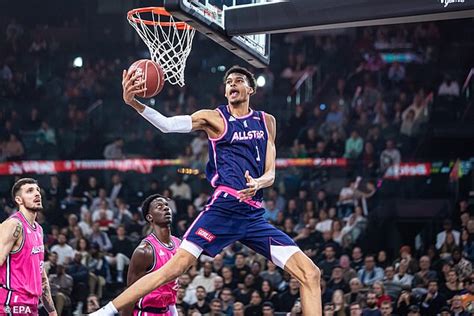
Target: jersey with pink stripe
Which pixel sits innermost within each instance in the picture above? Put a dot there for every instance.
(242, 147)
(21, 275)
(166, 294)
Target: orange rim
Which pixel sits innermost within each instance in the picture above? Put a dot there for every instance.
(157, 11)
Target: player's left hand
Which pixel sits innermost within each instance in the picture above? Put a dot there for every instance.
(53, 313)
(253, 187)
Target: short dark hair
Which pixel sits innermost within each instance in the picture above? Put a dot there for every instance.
(268, 304)
(17, 186)
(146, 203)
(243, 71)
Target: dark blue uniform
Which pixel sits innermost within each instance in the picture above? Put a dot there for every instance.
(242, 147)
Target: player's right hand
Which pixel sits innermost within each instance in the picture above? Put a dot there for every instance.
(131, 86)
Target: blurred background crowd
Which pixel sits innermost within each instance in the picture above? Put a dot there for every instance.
(376, 96)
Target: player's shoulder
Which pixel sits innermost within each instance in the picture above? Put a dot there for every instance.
(207, 113)
(11, 223)
(176, 241)
(269, 117)
(144, 251)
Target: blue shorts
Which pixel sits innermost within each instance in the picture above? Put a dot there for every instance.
(225, 220)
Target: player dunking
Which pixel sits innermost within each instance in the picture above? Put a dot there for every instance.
(153, 252)
(23, 282)
(241, 163)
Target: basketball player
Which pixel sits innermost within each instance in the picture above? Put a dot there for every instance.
(23, 281)
(153, 252)
(241, 163)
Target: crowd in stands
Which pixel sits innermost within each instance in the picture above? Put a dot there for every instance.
(364, 109)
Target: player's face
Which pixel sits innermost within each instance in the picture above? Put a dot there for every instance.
(237, 89)
(160, 212)
(30, 197)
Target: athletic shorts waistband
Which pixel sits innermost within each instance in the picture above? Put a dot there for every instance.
(235, 194)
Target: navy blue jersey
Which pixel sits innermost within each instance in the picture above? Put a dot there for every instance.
(242, 146)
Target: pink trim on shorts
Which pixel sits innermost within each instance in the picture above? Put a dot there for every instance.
(235, 194)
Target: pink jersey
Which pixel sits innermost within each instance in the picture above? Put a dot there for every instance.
(165, 295)
(21, 274)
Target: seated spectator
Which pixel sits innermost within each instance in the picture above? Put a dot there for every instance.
(355, 294)
(433, 301)
(64, 251)
(390, 157)
(337, 281)
(117, 190)
(218, 286)
(244, 291)
(201, 305)
(425, 274)
(357, 258)
(449, 87)
(407, 128)
(121, 252)
(355, 309)
(287, 299)
(268, 309)
(369, 272)
(347, 271)
(402, 277)
(338, 303)
(180, 189)
(386, 308)
(467, 298)
(452, 286)
(405, 301)
(335, 147)
(238, 309)
(114, 150)
(371, 308)
(61, 285)
(335, 117)
(99, 238)
(254, 308)
(272, 275)
(46, 134)
(268, 292)
(205, 278)
(329, 262)
(354, 146)
(392, 288)
(379, 291)
(462, 266)
(447, 229)
(189, 290)
(324, 223)
(80, 277)
(13, 149)
(457, 307)
(310, 141)
(271, 212)
(228, 276)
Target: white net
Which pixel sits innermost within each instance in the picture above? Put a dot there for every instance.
(169, 41)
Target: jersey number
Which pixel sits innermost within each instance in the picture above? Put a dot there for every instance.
(258, 153)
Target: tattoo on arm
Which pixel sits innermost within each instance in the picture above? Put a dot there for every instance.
(46, 296)
(17, 231)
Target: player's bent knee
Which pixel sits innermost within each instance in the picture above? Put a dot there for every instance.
(312, 276)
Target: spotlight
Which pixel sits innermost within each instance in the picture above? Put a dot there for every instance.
(77, 62)
(261, 81)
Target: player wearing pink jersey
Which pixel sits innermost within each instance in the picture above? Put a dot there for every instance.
(153, 252)
(23, 281)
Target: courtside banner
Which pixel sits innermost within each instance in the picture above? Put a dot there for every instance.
(135, 165)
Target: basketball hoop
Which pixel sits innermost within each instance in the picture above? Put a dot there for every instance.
(169, 41)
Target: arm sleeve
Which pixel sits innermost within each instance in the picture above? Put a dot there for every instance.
(174, 124)
(173, 310)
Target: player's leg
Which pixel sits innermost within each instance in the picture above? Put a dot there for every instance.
(309, 276)
(283, 252)
(176, 266)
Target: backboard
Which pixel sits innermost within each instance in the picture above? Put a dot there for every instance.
(208, 17)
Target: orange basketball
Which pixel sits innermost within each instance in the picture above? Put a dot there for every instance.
(151, 74)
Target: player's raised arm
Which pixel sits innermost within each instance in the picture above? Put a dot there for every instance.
(10, 232)
(207, 120)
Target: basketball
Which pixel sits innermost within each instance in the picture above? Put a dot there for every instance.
(151, 74)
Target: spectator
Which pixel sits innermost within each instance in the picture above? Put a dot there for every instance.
(271, 212)
(357, 259)
(114, 150)
(51, 264)
(100, 238)
(288, 298)
(390, 157)
(462, 266)
(457, 307)
(205, 278)
(61, 285)
(255, 306)
(371, 303)
(228, 276)
(467, 298)
(447, 229)
(118, 189)
(244, 290)
(199, 144)
(238, 309)
(80, 277)
(201, 305)
(268, 309)
(335, 116)
(433, 301)
(449, 87)
(218, 286)
(396, 72)
(180, 303)
(425, 274)
(190, 291)
(271, 274)
(355, 309)
(392, 287)
(355, 294)
(354, 146)
(329, 263)
(336, 146)
(370, 273)
(379, 291)
(180, 189)
(13, 149)
(240, 269)
(347, 271)
(64, 251)
(46, 134)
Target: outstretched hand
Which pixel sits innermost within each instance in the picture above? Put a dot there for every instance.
(131, 85)
(253, 187)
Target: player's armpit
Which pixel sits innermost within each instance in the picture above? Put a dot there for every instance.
(209, 121)
(10, 232)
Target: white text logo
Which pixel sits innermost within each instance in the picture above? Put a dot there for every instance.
(448, 2)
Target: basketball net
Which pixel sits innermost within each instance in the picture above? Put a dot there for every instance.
(169, 41)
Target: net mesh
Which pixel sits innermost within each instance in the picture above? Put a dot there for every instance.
(169, 41)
